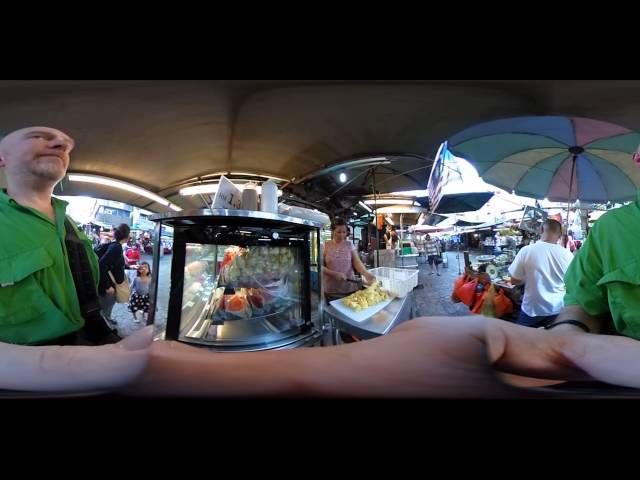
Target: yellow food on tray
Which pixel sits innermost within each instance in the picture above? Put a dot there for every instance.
(370, 296)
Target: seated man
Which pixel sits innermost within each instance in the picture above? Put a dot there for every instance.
(603, 281)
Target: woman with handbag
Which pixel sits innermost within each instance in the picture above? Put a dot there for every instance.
(114, 284)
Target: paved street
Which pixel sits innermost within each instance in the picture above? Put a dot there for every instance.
(124, 317)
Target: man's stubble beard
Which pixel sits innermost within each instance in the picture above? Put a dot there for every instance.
(47, 170)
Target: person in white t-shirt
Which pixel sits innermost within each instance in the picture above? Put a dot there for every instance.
(541, 267)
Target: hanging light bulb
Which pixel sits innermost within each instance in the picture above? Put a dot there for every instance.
(342, 177)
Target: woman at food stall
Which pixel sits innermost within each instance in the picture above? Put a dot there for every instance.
(391, 237)
(341, 261)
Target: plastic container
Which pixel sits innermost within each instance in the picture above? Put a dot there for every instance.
(398, 281)
(306, 213)
(250, 197)
(269, 197)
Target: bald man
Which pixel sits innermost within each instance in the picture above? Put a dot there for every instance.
(39, 303)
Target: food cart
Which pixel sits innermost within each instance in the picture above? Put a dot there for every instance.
(380, 319)
(240, 280)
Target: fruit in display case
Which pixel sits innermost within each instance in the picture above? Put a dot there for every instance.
(248, 303)
(195, 269)
(257, 266)
(237, 305)
(229, 254)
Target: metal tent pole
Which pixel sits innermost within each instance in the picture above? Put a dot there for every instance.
(575, 151)
(375, 214)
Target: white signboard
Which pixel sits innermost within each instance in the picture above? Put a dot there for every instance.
(228, 195)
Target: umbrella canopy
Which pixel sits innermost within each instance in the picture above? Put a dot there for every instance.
(462, 202)
(482, 226)
(429, 229)
(434, 219)
(401, 209)
(464, 223)
(559, 158)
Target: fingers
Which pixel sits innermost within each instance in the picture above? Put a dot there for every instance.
(532, 352)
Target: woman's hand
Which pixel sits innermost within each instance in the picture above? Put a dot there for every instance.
(340, 276)
(369, 277)
(111, 290)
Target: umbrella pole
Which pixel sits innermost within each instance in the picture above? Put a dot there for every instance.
(375, 214)
(458, 255)
(573, 169)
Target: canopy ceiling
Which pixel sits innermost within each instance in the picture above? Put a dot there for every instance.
(162, 134)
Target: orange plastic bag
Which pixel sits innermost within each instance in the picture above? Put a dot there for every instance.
(480, 297)
(488, 308)
(467, 292)
(457, 284)
(504, 306)
(485, 303)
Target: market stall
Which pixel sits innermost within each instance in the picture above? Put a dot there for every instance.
(240, 280)
(379, 319)
(491, 270)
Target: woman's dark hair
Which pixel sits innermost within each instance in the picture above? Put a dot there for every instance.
(338, 222)
(121, 232)
(148, 266)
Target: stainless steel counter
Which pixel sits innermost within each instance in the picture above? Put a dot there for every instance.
(398, 311)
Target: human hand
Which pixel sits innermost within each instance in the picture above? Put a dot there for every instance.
(111, 290)
(566, 355)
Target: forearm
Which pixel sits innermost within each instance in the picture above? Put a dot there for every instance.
(607, 358)
(576, 312)
(57, 368)
(411, 361)
(359, 267)
(178, 370)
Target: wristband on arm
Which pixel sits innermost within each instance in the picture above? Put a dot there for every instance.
(577, 323)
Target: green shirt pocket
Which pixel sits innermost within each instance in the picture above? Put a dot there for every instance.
(21, 297)
(623, 294)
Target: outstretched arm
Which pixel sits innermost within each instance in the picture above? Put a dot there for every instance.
(74, 368)
(454, 357)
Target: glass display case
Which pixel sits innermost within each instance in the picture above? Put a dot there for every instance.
(242, 280)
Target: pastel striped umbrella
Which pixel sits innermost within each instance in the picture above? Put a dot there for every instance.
(559, 158)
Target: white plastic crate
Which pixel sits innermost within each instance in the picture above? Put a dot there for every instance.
(396, 280)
